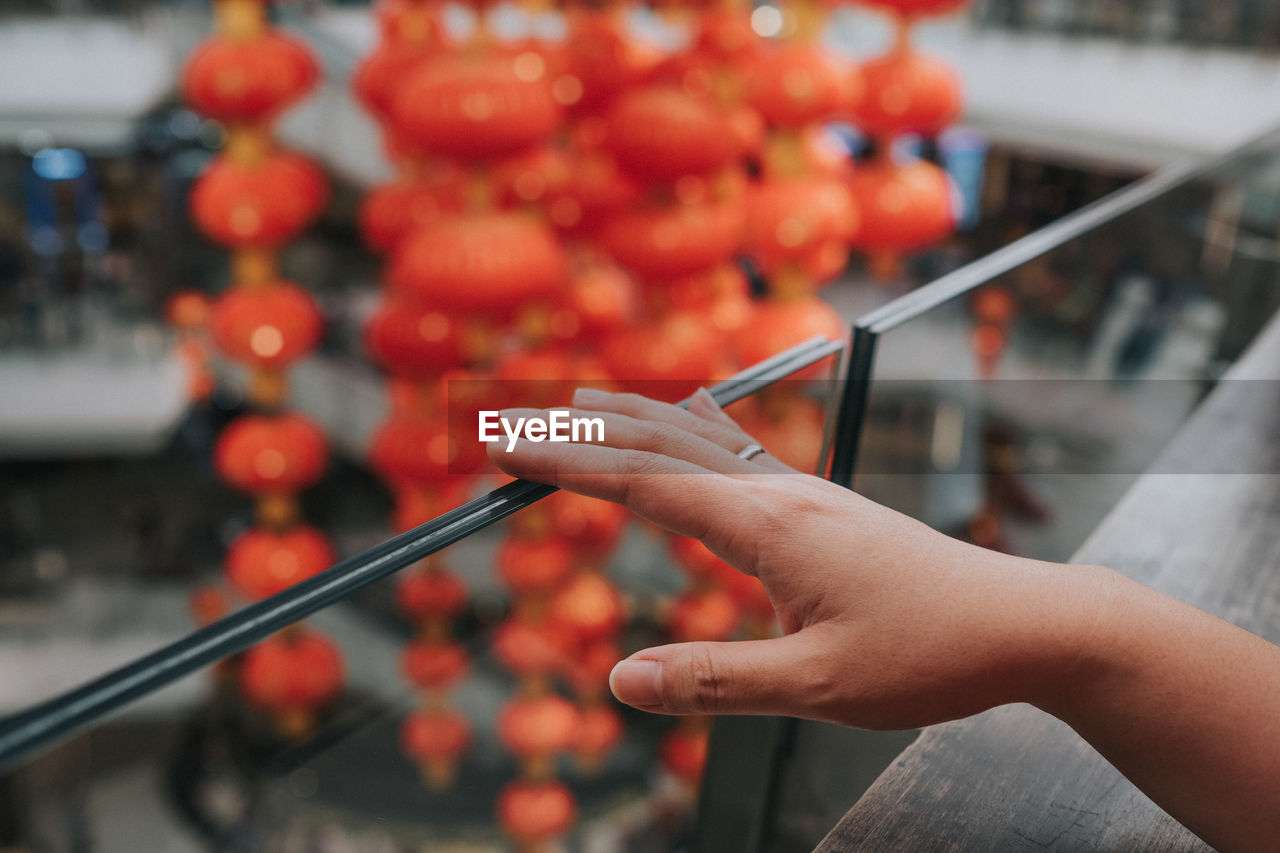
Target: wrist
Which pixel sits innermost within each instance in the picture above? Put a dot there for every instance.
(1082, 639)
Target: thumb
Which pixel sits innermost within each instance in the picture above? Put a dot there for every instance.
(746, 677)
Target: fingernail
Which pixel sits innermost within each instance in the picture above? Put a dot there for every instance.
(637, 682)
(588, 397)
(705, 396)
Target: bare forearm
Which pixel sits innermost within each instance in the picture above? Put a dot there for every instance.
(1187, 706)
(889, 624)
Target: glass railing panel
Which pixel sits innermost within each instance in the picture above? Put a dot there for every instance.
(1015, 413)
(194, 765)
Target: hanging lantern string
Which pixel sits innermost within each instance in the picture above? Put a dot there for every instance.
(24, 732)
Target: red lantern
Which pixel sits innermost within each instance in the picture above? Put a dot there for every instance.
(477, 105)
(596, 187)
(534, 566)
(667, 359)
(410, 22)
(748, 129)
(466, 396)
(906, 93)
(271, 453)
(531, 177)
(684, 753)
(992, 304)
(263, 562)
(721, 295)
(708, 614)
(248, 80)
(391, 212)
(601, 60)
(530, 648)
(535, 812)
(291, 676)
(188, 310)
(409, 339)
(666, 241)
(662, 133)
(535, 377)
(777, 325)
(268, 327)
(489, 263)
(796, 219)
(589, 607)
(468, 391)
(726, 33)
(411, 450)
(258, 206)
(434, 665)
(599, 731)
(591, 524)
(795, 85)
(208, 604)
(903, 207)
(432, 736)
(379, 76)
(430, 594)
(601, 298)
(590, 666)
(536, 727)
(418, 503)
(590, 370)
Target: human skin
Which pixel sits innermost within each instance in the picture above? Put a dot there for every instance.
(888, 624)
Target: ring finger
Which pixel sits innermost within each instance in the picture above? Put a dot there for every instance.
(660, 437)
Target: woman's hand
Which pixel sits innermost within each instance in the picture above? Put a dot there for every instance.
(887, 623)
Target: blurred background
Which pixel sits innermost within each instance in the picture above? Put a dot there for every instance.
(261, 263)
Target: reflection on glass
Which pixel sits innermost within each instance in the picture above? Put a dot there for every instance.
(1015, 414)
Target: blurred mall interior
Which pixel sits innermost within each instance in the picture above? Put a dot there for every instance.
(259, 259)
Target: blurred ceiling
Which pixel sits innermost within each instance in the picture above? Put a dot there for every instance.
(86, 79)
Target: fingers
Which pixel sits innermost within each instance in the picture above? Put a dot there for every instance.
(747, 677)
(674, 493)
(704, 418)
(652, 436)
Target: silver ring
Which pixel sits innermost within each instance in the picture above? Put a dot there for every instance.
(750, 451)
